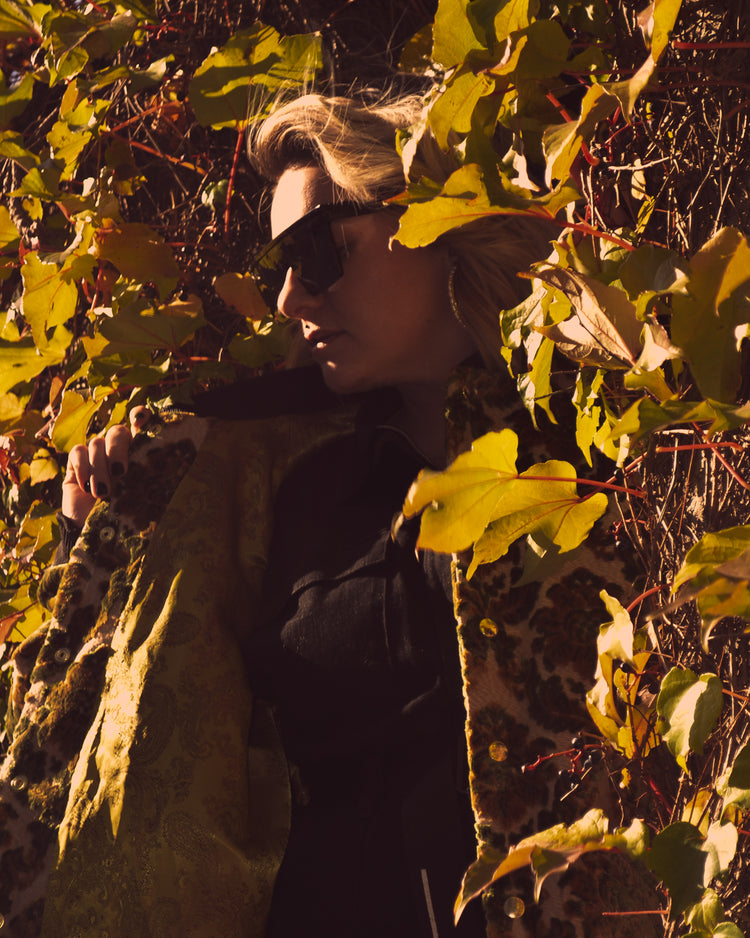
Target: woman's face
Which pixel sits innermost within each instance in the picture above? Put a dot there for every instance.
(387, 321)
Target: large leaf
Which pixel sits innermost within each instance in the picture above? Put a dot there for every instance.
(136, 332)
(550, 851)
(20, 362)
(13, 102)
(237, 81)
(455, 33)
(240, 292)
(49, 300)
(689, 706)
(686, 861)
(72, 422)
(463, 199)
(15, 20)
(139, 253)
(717, 573)
(481, 499)
(709, 323)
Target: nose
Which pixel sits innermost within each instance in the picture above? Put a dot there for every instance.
(295, 301)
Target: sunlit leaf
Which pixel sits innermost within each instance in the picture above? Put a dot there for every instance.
(73, 419)
(241, 293)
(664, 17)
(613, 703)
(21, 362)
(13, 101)
(454, 33)
(452, 111)
(463, 199)
(689, 706)
(707, 913)
(734, 785)
(603, 329)
(236, 82)
(49, 300)
(709, 323)
(549, 851)
(43, 467)
(677, 857)
(139, 253)
(481, 499)
(15, 21)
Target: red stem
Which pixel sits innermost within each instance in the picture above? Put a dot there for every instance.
(677, 44)
(232, 175)
(639, 599)
(638, 493)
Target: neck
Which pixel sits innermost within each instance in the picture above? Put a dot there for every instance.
(422, 417)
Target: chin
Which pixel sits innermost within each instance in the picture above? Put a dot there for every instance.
(338, 381)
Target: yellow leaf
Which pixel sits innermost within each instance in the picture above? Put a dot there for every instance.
(240, 292)
(481, 499)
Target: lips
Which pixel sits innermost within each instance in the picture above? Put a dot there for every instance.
(320, 339)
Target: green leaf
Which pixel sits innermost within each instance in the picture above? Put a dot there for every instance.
(709, 323)
(613, 703)
(9, 236)
(74, 417)
(707, 913)
(455, 33)
(238, 81)
(551, 850)
(20, 362)
(664, 17)
(481, 499)
(677, 857)
(132, 331)
(241, 293)
(645, 416)
(139, 253)
(463, 199)
(718, 570)
(48, 299)
(12, 148)
(13, 102)
(511, 16)
(734, 785)
(452, 111)
(15, 22)
(43, 467)
(689, 705)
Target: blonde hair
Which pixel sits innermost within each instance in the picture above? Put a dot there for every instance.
(353, 140)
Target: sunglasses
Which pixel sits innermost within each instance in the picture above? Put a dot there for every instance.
(308, 249)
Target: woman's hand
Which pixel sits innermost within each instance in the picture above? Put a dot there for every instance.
(91, 468)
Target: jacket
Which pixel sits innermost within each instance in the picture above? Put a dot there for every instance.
(129, 792)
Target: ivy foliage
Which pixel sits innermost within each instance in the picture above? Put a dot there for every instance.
(127, 219)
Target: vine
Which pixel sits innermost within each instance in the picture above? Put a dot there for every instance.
(127, 220)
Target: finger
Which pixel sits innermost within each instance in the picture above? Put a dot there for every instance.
(100, 481)
(79, 468)
(117, 441)
(138, 417)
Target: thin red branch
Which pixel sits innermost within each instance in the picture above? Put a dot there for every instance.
(232, 175)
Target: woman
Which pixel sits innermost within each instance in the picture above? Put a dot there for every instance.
(277, 542)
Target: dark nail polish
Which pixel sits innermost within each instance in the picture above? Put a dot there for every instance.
(101, 490)
(87, 486)
(116, 469)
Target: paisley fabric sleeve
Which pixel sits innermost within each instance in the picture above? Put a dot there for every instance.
(528, 653)
(159, 806)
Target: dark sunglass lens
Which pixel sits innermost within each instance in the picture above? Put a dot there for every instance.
(308, 248)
